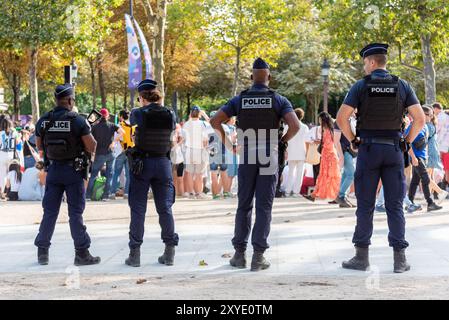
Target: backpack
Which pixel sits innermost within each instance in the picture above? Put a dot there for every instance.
(98, 189)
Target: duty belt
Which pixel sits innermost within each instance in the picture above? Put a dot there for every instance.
(70, 163)
(386, 141)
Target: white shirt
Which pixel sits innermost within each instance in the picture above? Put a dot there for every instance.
(30, 189)
(297, 145)
(443, 132)
(8, 141)
(314, 134)
(195, 132)
(12, 177)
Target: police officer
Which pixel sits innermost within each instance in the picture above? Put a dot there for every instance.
(155, 124)
(259, 111)
(381, 99)
(62, 136)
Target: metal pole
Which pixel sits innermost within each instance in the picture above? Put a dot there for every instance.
(326, 93)
(131, 13)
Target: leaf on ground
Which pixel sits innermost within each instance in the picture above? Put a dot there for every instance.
(203, 263)
(287, 221)
(229, 213)
(140, 281)
(226, 255)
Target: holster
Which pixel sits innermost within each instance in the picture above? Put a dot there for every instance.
(405, 149)
(135, 159)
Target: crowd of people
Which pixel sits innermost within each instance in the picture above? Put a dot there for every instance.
(320, 161)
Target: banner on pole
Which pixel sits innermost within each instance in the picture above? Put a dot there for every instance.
(134, 57)
(146, 52)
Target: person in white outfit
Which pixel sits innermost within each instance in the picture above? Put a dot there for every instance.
(8, 142)
(296, 155)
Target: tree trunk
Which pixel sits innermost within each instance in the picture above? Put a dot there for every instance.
(101, 84)
(189, 106)
(125, 97)
(235, 84)
(429, 69)
(16, 93)
(158, 21)
(310, 108)
(114, 98)
(92, 78)
(33, 85)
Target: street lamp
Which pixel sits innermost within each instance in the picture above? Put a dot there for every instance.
(325, 67)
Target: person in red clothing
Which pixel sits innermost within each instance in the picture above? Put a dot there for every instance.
(328, 182)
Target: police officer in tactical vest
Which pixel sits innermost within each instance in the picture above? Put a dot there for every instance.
(150, 166)
(259, 111)
(64, 137)
(382, 99)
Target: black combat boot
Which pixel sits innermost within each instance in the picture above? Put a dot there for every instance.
(359, 262)
(168, 257)
(238, 260)
(84, 258)
(134, 258)
(400, 261)
(259, 262)
(42, 256)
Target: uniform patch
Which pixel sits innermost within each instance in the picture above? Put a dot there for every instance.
(58, 126)
(257, 102)
(382, 90)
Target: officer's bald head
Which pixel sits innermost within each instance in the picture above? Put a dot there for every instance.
(261, 76)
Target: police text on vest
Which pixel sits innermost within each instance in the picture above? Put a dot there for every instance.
(256, 103)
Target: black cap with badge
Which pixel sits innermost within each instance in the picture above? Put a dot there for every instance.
(374, 48)
(63, 91)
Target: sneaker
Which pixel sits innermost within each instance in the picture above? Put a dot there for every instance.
(186, 195)
(105, 199)
(380, 208)
(413, 208)
(206, 190)
(227, 195)
(216, 197)
(295, 195)
(310, 198)
(112, 196)
(441, 197)
(343, 203)
(200, 196)
(433, 207)
(125, 196)
(191, 196)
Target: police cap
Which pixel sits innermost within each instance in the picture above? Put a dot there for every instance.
(147, 85)
(374, 48)
(63, 91)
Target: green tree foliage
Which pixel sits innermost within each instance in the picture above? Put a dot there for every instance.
(299, 68)
(245, 29)
(417, 30)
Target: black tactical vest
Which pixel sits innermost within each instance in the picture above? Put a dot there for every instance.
(154, 137)
(60, 141)
(257, 112)
(381, 107)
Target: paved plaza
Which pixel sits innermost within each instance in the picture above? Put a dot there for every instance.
(308, 242)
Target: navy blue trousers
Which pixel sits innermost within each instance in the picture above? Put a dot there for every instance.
(374, 162)
(60, 178)
(157, 173)
(263, 187)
